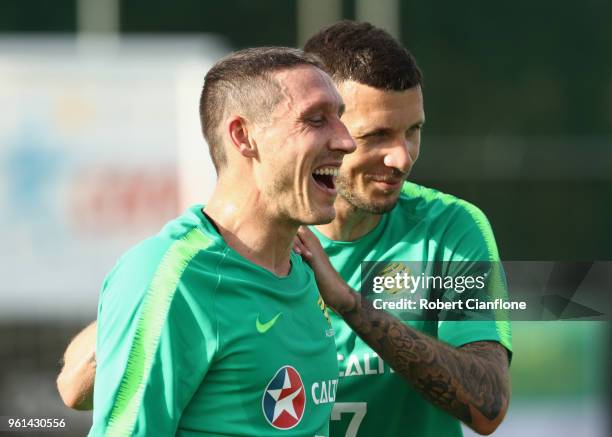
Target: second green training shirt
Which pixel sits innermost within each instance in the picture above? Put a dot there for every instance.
(429, 227)
(195, 340)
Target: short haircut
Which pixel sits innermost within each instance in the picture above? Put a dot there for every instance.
(243, 82)
(366, 54)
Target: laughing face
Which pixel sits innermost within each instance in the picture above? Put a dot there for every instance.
(386, 126)
(302, 146)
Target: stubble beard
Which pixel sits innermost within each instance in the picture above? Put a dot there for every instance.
(347, 191)
(301, 211)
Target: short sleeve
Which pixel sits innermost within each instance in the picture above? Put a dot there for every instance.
(154, 344)
(469, 245)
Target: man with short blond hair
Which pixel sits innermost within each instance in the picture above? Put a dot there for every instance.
(214, 326)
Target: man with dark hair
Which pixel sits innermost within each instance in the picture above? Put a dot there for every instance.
(363, 53)
(214, 326)
(455, 369)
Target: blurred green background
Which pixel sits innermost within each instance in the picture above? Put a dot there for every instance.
(518, 100)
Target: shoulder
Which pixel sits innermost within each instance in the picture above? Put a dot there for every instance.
(454, 221)
(164, 258)
(431, 204)
(421, 203)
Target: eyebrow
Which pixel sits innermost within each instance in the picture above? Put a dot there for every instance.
(376, 130)
(386, 130)
(325, 106)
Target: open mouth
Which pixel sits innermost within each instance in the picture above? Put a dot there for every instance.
(325, 178)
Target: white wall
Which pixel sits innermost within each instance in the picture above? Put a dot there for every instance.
(91, 135)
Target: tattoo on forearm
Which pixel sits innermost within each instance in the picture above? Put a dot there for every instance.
(461, 381)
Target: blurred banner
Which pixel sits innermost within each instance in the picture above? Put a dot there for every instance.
(89, 147)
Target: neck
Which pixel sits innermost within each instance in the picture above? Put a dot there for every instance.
(252, 230)
(350, 223)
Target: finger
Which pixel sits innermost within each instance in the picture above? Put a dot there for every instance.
(299, 238)
(303, 233)
(306, 236)
(297, 245)
(301, 241)
(305, 230)
(304, 250)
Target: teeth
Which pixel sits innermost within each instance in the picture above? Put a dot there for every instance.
(331, 171)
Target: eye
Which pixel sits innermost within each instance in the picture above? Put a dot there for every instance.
(376, 134)
(316, 120)
(413, 129)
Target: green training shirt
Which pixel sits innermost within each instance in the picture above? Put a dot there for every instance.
(427, 226)
(195, 340)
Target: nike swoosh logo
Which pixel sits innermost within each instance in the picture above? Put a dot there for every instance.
(264, 327)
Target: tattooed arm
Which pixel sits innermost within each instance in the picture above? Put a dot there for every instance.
(470, 382)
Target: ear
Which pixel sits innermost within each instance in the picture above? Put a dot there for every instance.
(238, 130)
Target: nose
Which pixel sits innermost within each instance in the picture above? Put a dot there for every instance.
(402, 155)
(342, 139)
